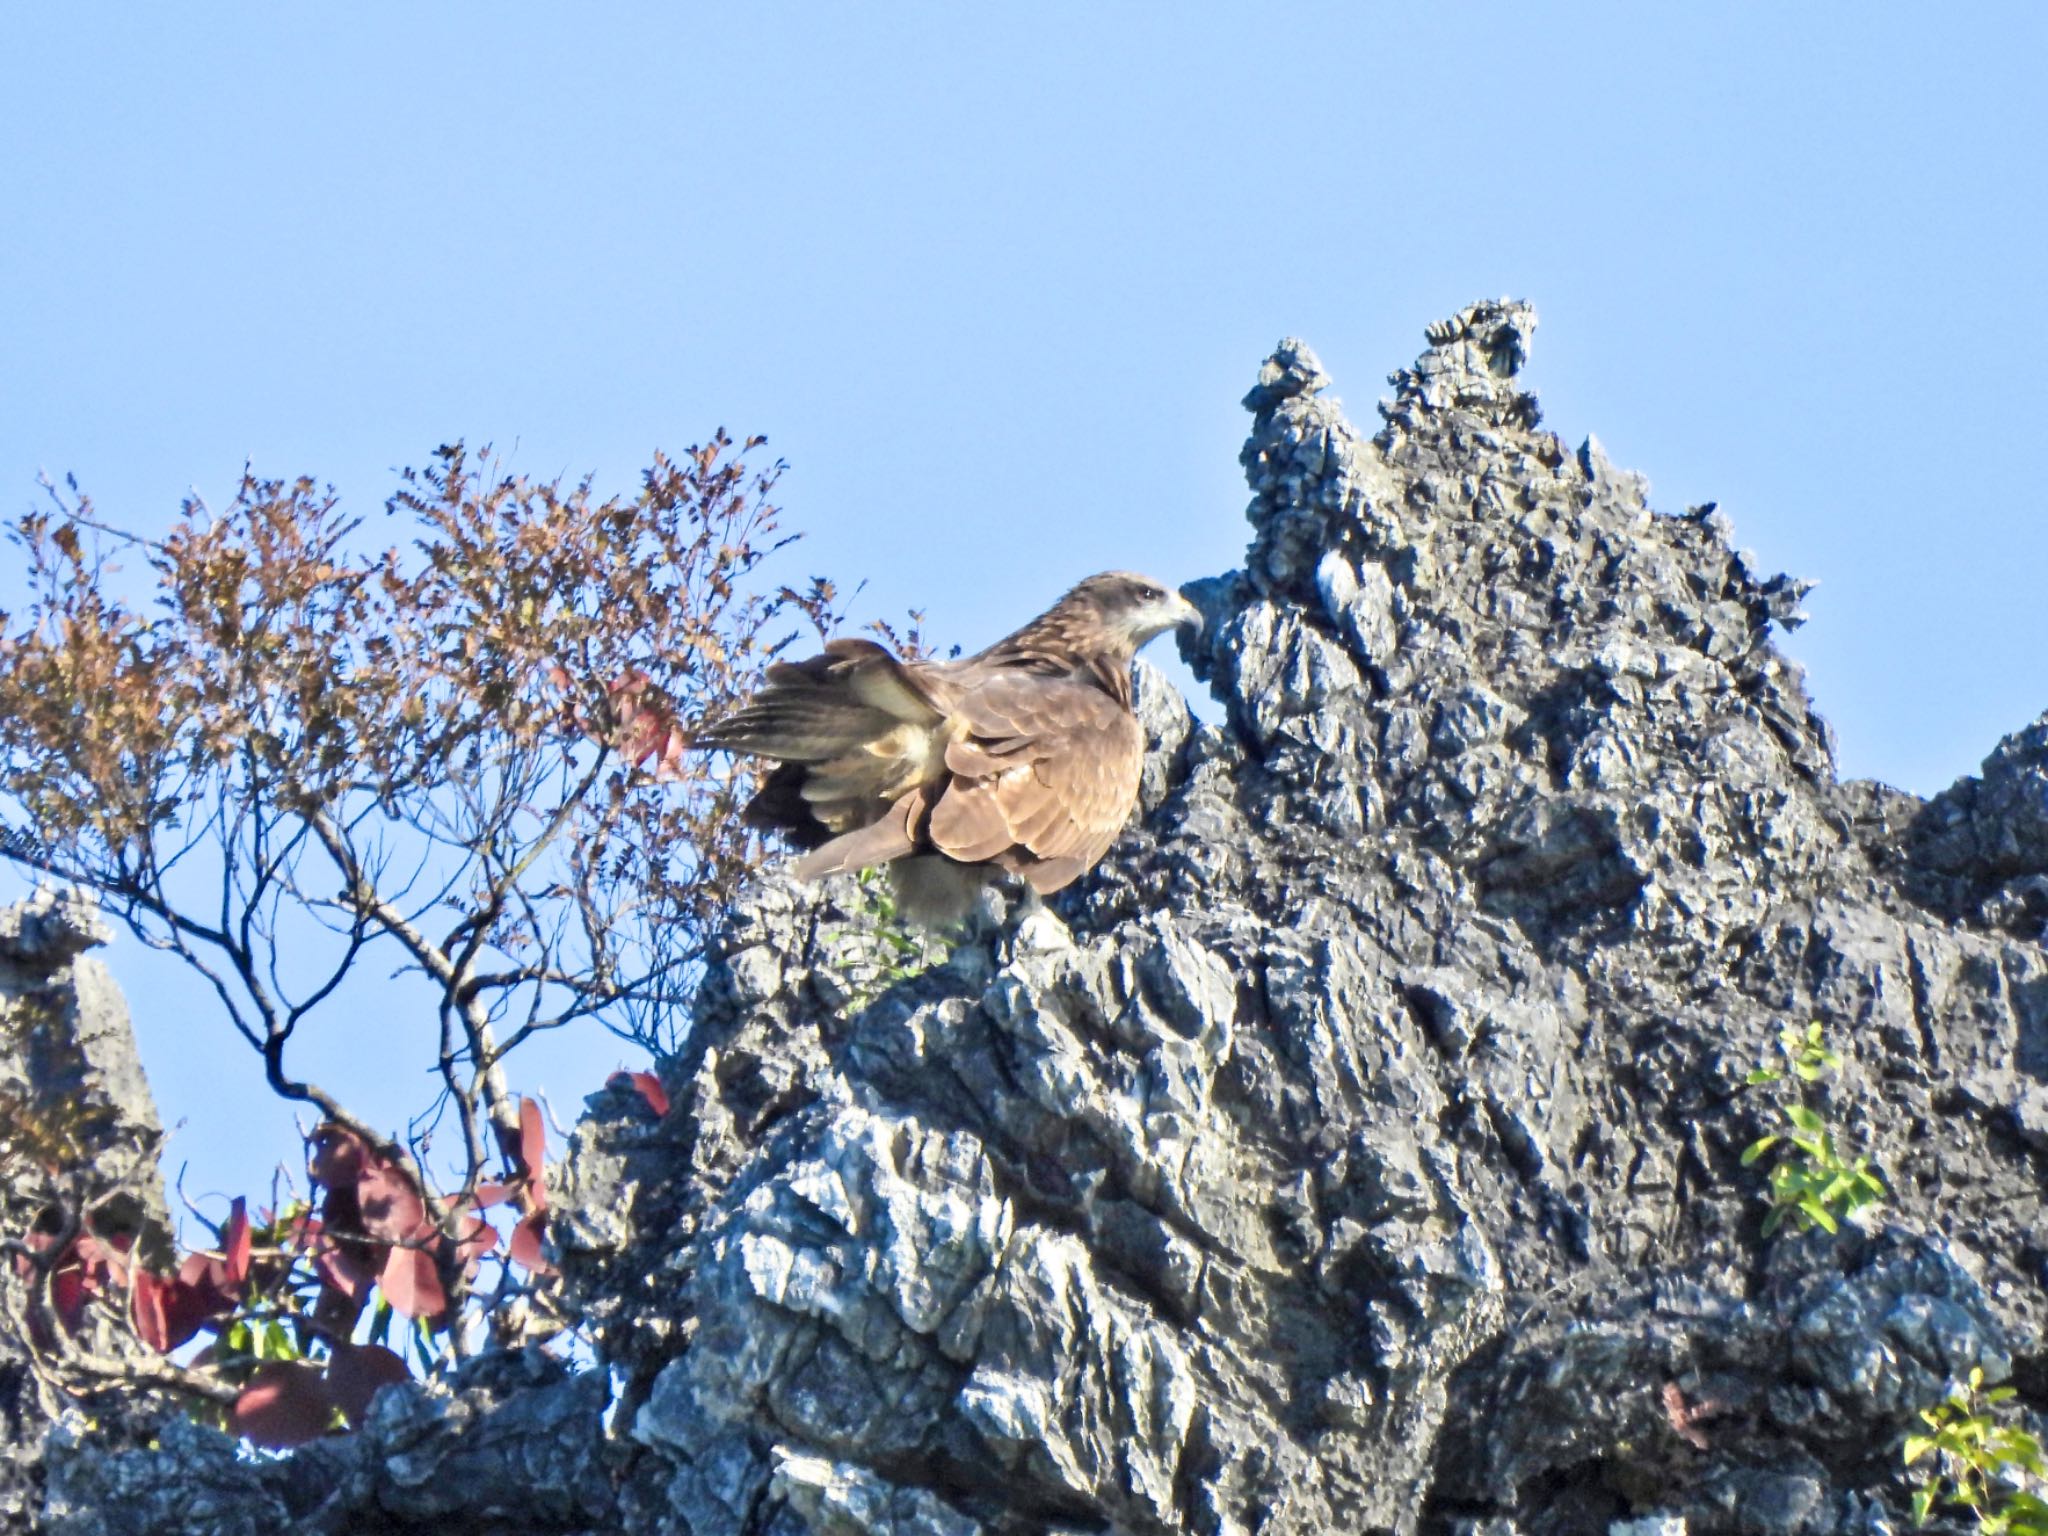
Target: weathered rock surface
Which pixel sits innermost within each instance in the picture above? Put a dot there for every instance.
(1358, 1150)
(70, 1087)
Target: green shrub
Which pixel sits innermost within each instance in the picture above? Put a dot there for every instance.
(1811, 1181)
(1979, 1463)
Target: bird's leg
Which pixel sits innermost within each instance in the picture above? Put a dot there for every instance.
(1024, 924)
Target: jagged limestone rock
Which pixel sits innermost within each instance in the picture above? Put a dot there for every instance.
(1358, 1149)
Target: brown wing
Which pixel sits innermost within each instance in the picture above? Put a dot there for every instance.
(1044, 775)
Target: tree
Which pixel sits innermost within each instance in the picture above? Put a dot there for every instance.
(457, 746)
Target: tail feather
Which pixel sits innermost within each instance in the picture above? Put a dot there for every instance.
(779, 806)
(891, 836)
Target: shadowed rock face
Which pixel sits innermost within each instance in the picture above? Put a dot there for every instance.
(1358, 1149)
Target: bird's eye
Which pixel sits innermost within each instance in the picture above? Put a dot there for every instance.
(1149, 594)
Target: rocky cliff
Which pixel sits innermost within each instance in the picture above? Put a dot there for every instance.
(1358, 1150)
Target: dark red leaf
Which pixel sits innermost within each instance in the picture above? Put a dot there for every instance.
(343, 1269)
(203, 1287)
(391, 1204)
(412, 1284)
(525, 1247)
(286, 1403)
(67, 1297)
(334, 1314)
(201, 1271)
(478, 1238)
(533, 1148)
(148, 1298)
(355, 1372)
(188, 1308)
(235, 1246)
(648, 1086)
(338, 1156)
(100, 1262)
(647, 726)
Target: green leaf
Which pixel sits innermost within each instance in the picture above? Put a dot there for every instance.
(1805, 1118)
(1762, 1075)
(1757, 1149)
(1818, 1214)
(1917, 1446)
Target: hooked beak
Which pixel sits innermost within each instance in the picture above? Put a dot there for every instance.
(1190, 615)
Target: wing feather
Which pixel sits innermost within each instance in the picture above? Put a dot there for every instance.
(827, 706)
(1067, 759)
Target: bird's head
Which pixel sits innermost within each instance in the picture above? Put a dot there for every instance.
(1131, 609)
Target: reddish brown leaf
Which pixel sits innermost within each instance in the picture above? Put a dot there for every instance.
(355, 1372)
(489, 1193)
(412, 1284)
(649, 1087)
(286, 1403)
(235, 1246)
(525, 1247)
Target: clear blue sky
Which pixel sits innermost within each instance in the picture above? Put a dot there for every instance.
(993, 279)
